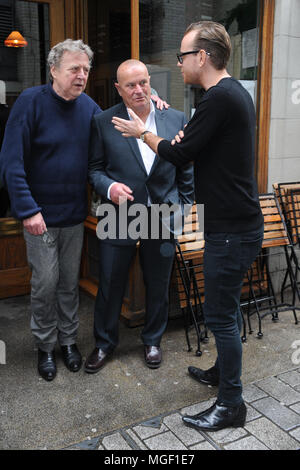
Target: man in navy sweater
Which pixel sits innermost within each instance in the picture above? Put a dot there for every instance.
(43, 164)
(220, 140)
(44, 161)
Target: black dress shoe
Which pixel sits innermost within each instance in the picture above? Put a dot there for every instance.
(95, 361)
(71, 357)
(207, 377)
(46, 365)
(153, 356)
(218, 417)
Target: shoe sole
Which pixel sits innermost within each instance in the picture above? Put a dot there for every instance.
(154, 366)
(204, 382)
(94, 371)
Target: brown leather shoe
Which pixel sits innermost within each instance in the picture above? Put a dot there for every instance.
(95, 361)
(153, 356)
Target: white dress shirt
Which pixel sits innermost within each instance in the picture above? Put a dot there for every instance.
(147, 154)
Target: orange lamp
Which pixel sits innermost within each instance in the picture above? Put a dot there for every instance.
(15, 39)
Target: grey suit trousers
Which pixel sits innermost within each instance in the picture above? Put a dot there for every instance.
(54, 259)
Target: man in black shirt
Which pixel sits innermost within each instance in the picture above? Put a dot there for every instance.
(220, 140)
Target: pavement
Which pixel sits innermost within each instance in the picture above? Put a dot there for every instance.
(128, 407)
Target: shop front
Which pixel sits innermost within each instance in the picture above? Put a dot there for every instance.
(149, 30)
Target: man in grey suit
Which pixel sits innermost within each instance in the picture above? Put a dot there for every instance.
(126, 171)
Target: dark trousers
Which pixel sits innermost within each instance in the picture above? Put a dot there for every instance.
(156, 257)
(227, 258)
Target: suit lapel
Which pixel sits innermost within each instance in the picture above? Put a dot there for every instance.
(131, 141)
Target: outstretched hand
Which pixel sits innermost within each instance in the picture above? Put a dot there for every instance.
(133, 128)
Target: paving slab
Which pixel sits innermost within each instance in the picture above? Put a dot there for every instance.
(128, 406)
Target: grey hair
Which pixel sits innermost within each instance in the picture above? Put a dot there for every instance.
(56, 53)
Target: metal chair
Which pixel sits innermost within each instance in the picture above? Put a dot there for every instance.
(276, 235)
(288, 197)
(189, 277)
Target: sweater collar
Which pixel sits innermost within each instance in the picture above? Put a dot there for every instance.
(59, 98)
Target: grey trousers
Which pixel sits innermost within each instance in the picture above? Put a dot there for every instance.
(54, 259)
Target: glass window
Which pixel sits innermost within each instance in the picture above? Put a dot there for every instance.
(162, 25)
(109, 36)
(21, 68)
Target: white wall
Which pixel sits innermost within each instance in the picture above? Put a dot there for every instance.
(284, 150)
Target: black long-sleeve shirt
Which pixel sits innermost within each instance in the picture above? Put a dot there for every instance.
(220, 139)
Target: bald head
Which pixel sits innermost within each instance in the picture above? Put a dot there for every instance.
(128, 65)
(134, 86)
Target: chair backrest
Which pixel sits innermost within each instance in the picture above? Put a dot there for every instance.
(190, 250)
(293, 198)
(191, 242)
(275, 231)
(288, 197)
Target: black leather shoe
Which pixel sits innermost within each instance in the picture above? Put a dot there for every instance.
(207, 377)
(95, 361)
(218, 417)
(71, 357)
(46, 365)
(153, 356)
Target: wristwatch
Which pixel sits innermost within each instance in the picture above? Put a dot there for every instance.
(142, 136)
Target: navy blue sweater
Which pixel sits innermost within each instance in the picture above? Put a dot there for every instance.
(44, 156)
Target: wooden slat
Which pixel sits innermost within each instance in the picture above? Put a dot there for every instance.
(288, 197)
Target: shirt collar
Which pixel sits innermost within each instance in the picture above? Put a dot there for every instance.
(152, 111)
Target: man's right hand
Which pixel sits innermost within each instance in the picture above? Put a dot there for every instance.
(35, 224)
(119, 192)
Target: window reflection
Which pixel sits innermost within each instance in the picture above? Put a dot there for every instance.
(162, 25)
(109, 35)
(25, 67)
(21, 68)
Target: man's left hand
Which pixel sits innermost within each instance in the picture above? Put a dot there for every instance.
(160, 104)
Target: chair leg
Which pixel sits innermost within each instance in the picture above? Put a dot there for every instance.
(250, 277)
(197, 301)
(186, 282)
(244, 335)
(186, 317)
(270, 288)
(293, 278)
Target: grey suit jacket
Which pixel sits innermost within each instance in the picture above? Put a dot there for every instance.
(115, 158)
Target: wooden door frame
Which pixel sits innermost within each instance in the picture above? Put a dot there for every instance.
(264, 90)
(56, 19)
